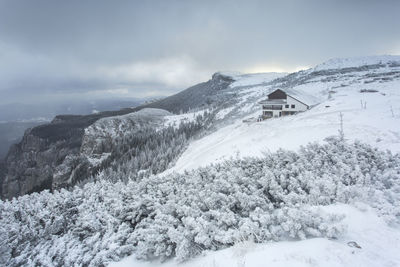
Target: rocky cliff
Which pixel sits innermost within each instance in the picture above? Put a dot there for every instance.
(30, 164)
(42, 161)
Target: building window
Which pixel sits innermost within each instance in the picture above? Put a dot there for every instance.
(286, 106)
(293, 106)
(273, 107)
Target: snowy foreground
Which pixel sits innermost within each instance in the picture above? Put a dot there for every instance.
(380, 246)
(279, 197)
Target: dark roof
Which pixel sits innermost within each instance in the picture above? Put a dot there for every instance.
(277, 94)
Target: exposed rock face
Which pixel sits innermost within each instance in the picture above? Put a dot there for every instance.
(70, 148)
(38, 163)
(30, 165)
(44, 150)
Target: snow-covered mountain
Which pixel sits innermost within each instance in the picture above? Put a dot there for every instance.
(222, 181)
(342, 63)
(53, 155)
(365, 90)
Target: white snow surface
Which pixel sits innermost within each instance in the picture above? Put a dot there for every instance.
(254, 78)
(337, 63)
(372, 117)
(222, 113)
(377, 124)
(379, 244)
(175, 120)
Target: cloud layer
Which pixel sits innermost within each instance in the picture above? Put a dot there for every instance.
(104, 48)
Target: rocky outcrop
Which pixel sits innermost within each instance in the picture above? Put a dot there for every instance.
(30, 164)
(46, 162)
(34, 164)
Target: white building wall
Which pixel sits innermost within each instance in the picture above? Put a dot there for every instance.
(298, 106)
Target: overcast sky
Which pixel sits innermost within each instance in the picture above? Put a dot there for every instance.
(66, 49)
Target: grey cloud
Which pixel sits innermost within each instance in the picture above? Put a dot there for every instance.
(147, 47)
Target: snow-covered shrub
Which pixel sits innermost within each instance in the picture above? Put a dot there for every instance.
(275, 197)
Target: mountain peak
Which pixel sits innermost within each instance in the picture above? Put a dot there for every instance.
(224, 75)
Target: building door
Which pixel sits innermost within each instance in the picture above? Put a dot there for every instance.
(280, 113)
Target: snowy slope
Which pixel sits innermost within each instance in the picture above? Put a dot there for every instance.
(379, 244)
(338, 63)
(254, 79)
(175, 120)
(337, 86)
(373, 117)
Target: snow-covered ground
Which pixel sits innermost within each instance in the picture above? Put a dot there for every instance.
(372, 117)
(379, 244)
(337, 63)
(175, 120)
(255, 78)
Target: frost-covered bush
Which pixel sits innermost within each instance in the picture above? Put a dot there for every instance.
(275, 197)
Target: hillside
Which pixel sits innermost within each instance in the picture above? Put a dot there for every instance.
(203, 95)
(49, 156)
(216, 187)
(318, 195)
(366, 91)
(368, 96)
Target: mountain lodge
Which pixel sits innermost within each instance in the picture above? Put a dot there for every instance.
(279, 103)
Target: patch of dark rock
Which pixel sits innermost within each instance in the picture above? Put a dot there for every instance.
(368, 91)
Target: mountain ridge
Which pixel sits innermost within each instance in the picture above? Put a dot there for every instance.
(47, 146)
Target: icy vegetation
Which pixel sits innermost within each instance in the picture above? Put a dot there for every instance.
(377, 246)
(274, 197)
(150, 151)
